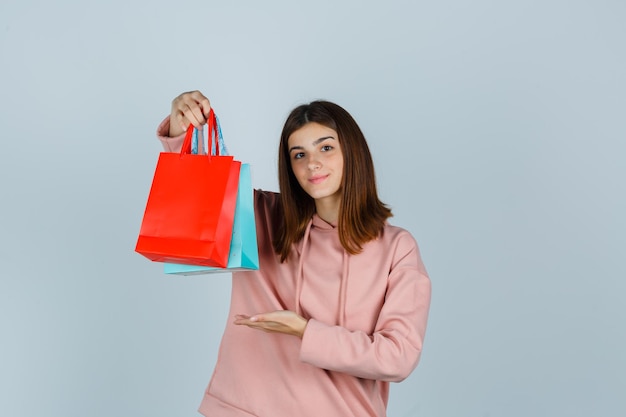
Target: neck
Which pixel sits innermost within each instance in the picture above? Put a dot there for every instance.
(328, 209)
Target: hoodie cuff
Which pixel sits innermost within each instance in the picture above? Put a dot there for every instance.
(311, 348)
(169, 144)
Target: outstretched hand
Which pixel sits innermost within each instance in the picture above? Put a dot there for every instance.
(281, 321)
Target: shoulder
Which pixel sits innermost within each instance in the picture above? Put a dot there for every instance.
(391, 239)
(401, 248)
(267, 208)
(259, 193)
(267, 199)
(397, 236)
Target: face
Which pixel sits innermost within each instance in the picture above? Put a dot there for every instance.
(317, 162)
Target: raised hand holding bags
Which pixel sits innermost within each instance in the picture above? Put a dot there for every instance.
(191, 206)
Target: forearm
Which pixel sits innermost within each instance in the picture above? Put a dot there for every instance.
(385, 355)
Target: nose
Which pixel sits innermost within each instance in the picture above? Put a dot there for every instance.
(314, 164)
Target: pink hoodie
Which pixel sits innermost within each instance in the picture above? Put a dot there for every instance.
(367, 319)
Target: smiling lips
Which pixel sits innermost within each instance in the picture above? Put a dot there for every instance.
(318, 179)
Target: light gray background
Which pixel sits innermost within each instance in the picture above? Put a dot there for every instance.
(498, 133)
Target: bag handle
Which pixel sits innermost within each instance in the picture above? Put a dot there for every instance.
(220, 147)
(213, 131)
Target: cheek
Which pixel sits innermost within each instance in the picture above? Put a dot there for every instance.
(338, 163)
(297, 171)
(294, 167)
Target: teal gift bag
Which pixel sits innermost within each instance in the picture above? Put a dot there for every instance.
(244, 252)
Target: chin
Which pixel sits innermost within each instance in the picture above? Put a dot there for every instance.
(324, 196)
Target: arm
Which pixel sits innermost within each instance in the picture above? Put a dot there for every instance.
(393, 350)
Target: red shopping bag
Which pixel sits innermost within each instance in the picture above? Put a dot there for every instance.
(191, 206)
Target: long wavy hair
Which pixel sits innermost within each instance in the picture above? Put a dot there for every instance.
(362, 215)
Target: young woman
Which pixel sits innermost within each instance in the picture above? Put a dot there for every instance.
(339, 305)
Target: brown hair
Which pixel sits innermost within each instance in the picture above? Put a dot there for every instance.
(362, 215)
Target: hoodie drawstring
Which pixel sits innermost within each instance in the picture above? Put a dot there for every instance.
(343, 289)
(300, 272)
(343, 286)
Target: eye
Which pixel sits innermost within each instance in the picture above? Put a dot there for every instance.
(298, 155)
(326, 148)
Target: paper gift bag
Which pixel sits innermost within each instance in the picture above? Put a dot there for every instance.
(191, 207)
(244, 253)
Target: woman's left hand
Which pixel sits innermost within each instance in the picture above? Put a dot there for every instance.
(281, 321)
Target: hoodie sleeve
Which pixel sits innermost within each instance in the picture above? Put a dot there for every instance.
(393, 350)
(169, 144)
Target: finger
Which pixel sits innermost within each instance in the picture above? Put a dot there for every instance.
(182, 121)
(198, 103)
(241, 319)
(205, 105)
(191, 107)
(178, 116)
(192, 111)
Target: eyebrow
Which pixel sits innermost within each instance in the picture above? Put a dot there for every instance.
(315, 142)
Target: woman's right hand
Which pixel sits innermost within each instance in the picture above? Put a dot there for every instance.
(190, 107)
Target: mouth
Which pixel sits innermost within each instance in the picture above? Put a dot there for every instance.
(318, 179)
